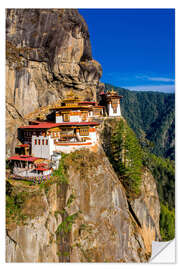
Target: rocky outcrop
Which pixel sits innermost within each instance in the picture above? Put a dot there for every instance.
(48, 54)
(146, 209)
(86, 220)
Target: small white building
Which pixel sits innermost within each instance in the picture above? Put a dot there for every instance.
(26, 166)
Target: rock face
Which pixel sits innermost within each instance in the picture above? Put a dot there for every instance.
(48, 54)
(103, 230)
(146, 209)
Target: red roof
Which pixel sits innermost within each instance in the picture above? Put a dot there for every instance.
(51, 125)
(24, 158)
(41, 169)
(22, 145)
(41, 164)
(42, 125)
(79, 124)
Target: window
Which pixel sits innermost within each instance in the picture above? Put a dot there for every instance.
(39, 142)
(43, 142)
(66, 117)
(46, 142)
(84, 131)
(35, 141)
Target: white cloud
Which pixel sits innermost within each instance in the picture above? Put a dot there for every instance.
(157, 79)
(160, 79)
(156, 88)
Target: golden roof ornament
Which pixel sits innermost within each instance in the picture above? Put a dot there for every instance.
(113, 92)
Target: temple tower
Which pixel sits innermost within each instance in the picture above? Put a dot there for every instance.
(111, 101)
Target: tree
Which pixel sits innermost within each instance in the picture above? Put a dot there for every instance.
(126, 157)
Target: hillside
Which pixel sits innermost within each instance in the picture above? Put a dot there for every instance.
(152, 113)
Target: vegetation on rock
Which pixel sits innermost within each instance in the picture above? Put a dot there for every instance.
(126, 158)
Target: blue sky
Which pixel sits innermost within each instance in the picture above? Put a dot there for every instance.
(136, 47)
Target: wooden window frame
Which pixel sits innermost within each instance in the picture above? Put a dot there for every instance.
(84, 131)
(66, 117)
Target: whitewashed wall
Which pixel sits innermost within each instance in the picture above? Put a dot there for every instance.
(42, 151)
(111, 113)
(30, 173)
(73, 118)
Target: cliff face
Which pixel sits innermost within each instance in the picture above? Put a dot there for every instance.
(94, 207)
(48, 54)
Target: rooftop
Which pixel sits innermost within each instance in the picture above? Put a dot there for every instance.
(51, 125)
(24, 158)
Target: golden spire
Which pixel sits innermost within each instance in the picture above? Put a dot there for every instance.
(112, 91)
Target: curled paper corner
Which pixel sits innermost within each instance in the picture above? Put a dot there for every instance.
(163, 252)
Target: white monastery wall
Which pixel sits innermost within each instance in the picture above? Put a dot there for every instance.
(40, 150)
(93, 136)
(30, 173)
(59, 119)
(75, 118)
(111, 113)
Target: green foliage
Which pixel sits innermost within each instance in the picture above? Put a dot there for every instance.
(126, 158)
(66, 225)
(60, 174)
(14, 203)
(167, 223)
(70, 200)
(152, 113)
(163, 171)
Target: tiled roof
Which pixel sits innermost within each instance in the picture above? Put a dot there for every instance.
(42, 169)
(51, 125)
(42, 125)
(24, 158)
(41, 164)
